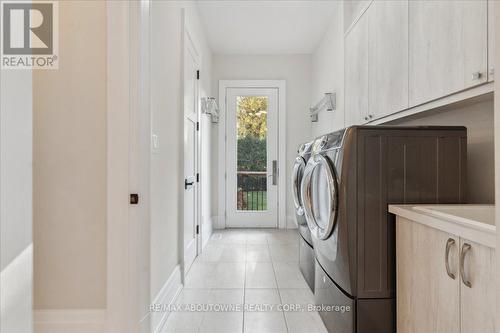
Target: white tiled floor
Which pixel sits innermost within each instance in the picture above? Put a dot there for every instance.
(258, 268)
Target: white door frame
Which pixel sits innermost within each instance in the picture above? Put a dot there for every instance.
(128, 154)
(281, 86)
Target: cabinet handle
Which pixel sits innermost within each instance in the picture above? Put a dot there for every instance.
(465, 248)
(370, 116)
(477, 75)
(449, 244)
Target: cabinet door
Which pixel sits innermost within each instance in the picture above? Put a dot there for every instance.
(491, 39)
(356, 73)
(478, 300)
(428, 300)
(448, 47)
(352, 9)
(388, 57)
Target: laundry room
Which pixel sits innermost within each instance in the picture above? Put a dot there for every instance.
(250, 166)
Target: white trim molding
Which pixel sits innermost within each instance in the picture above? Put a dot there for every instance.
(119, 29)
(282, 183)
(74, 321)
(166, 296)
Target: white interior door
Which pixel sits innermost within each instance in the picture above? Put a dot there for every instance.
(190, 154)
(252, 157)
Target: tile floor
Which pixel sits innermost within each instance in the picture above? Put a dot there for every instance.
(254, 271)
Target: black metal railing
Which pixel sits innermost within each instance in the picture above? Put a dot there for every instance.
(252, 190)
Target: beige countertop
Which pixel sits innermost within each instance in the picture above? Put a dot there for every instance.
(473, 222)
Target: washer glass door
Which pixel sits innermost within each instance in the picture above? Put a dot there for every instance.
(319, 193)
(297, 175)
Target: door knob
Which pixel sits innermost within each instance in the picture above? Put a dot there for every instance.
(477, 75)
(187, 183)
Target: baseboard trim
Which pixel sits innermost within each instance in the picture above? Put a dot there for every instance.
(166, 296)
(75, 321)
(219, 222)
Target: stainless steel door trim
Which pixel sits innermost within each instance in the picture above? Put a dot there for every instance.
(466, 247)
(296, 184)
(449, 244)
(306, 188)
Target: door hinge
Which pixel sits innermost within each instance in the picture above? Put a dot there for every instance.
(197, 229)
(197, 177)
(197, 75)
(197, 125)
(134, 198)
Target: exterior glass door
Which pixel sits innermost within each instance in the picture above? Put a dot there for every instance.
(251, 156)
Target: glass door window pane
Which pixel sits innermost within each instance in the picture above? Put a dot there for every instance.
(251, 137)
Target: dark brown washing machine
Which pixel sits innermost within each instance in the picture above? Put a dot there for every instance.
(349, 181)
(306, 251)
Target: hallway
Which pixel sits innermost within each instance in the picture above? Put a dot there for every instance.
(253, 275)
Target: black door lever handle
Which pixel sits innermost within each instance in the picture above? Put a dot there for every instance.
(186, 184)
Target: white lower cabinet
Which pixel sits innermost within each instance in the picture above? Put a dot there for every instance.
(477, 302)
(428, 300)
(444, 283)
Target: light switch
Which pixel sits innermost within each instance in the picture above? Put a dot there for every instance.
(155, 142)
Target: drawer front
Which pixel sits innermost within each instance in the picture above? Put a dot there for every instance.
(306, 262)
(337, 311)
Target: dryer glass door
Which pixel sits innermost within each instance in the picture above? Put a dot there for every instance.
(319, 192)
(297, 175)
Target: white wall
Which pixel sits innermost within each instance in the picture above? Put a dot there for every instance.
(166, 170)
(328, 75)
(70, 167)
(207, 153)
(296, 71)
(478, 118)
(16, 246)
(167, 173)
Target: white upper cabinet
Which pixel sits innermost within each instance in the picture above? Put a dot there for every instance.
(352, 9)
(491, 39)
(447, 47)
(388, 57)
(356, 73)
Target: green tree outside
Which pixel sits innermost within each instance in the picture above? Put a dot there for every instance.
(252, 131)
(252, 151)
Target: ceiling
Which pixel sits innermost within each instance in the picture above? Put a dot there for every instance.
(265, 27)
